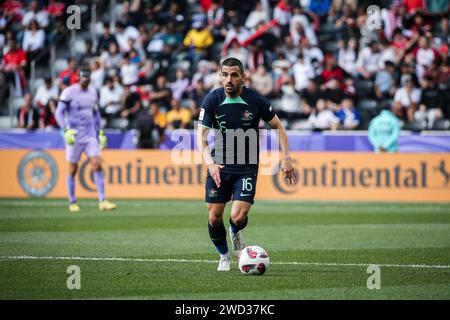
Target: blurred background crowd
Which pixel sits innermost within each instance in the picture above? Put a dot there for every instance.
(324, 64)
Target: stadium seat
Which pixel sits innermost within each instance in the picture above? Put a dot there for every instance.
(60, 65)
(79, 46)
(186, 103)
(5, 122)
(384, 104)
(366, 116)
(276, 103)
(442, 124)
(331, 47)
(17, 103)
(118, 124)
(327, 28)
(364, 89)
(367, 104)
(415, 126)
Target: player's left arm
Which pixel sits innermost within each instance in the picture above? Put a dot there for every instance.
(103, 141)
(286, 162)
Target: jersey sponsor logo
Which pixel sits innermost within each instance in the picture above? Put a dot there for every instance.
(202, 114)
(37, 173)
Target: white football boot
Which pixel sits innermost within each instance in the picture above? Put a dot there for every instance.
(237, 242)
(224, 263)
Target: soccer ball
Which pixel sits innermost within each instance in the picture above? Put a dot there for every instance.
(253, 260)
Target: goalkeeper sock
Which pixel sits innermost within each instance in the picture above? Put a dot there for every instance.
(235, 228)
(218, 236)
(99, 179)
(70, 182)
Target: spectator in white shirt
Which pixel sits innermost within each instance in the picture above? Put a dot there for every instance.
(369, 60)
(237, 51)
(299, 24)
(283, 14)
(289, 107)
(214, 17)
(347, 56)
(129, 71)
(290, 49)
(45, 92)
(256, 17)
(123, 34)
(312, 54)
(110, 95)
(41, 16)
(236, 32)
(407, 97)
(323, 118)
(33, 40)
(180, 85)
(97, 74)
(211, 80)
(112, 57)
(262, 81)
(202, 69)
(303, 72)
(425, 56)
(45, 100)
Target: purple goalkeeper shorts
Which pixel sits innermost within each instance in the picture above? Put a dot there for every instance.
(91, 148)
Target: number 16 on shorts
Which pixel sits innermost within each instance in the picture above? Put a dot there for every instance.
(246, 186)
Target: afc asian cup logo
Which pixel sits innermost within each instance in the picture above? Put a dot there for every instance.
(37, 173)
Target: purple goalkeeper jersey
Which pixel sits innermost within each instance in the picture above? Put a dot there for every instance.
(80, 107)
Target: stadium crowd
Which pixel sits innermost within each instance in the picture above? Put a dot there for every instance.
(324, 64)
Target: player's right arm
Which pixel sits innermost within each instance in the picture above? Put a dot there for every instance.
(206, 118)
(61, 109)
(202, 144)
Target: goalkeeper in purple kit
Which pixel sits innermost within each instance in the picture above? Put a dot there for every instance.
(78, 116)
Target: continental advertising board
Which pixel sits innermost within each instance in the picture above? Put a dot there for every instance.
(155, 174)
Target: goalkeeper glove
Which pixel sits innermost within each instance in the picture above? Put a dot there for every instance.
(102, 139)
(69, 136)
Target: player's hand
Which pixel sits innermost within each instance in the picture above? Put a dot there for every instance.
(69, 136)
(288, 170)
(102, 139)
(214, 171)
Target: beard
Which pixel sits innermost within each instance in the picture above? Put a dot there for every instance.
(233, 89)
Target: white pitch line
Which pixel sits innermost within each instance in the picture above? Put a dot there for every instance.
(420, 266)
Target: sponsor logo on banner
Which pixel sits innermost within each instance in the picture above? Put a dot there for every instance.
(37, 173)
(331, 173)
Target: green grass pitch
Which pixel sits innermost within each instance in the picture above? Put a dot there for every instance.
(161, 250)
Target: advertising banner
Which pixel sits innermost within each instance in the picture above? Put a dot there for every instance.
(157, 174)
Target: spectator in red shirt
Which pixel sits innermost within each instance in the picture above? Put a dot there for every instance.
(13, 65)
(332, 71)
(55, 8)
(413, 6)
(12, 9)
(71, 72)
